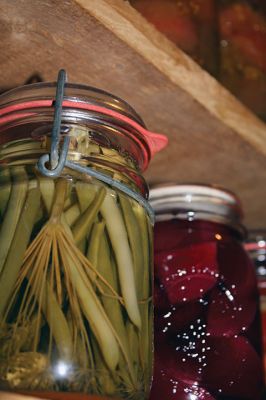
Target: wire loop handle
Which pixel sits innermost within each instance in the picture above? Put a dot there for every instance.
(59, 162)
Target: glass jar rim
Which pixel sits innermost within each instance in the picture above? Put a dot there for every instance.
(197, 201)
(20, 103)
(31, 92)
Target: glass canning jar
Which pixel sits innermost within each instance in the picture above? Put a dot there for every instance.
(256, 247)
(242, 31)
(190, 24)
(207, 331)
(75, 253)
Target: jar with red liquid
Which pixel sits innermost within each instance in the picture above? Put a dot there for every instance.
(256, 246)
(190, 24)
(207, 324)
(242, 31)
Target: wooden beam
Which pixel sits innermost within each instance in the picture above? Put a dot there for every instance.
(107, 44)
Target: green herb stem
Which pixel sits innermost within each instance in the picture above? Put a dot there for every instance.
(16, 201)
(19, 244)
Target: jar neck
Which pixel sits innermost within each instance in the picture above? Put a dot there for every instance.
(89, 147)
(188, 232)
(204, 221)
(197, 202)
(27, 109)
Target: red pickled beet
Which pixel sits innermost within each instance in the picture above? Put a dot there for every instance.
(233, 303)
(182, 356)
(205, 343)
(166, 387)
(232, 368)
(175, 363)
(178, 234)
(177, 317)
(160, 298)
(187, 273)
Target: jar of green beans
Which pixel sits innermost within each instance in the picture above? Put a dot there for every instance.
(75, 249)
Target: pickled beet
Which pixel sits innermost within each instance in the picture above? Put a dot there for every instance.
(187, 273)
(233, 303)
(239, 366)
(167, 387)
(206, 303)
(160, 298)
(174, 361)
(179, 316)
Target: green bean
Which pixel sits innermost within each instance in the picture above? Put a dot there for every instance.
(18, 246)
(58, 324)
(83, 225)
(72, 214)
(118, 236)
(86, 194)
(133, 340)
(111, 305)
(146, 305)
(106, 384)
(107, 268)
(145, 245)
(5, 187)
(94, 245)
(15, 205)
(95, 314)
(134, 236)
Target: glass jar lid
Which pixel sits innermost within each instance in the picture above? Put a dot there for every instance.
(27, 104)
(195, 201)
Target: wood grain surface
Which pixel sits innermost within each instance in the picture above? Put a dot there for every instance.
(107, 44)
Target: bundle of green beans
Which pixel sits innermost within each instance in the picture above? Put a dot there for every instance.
(75, 287)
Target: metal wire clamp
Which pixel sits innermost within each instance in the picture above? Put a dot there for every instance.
(59, 162)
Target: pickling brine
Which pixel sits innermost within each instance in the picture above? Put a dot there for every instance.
(75, 262)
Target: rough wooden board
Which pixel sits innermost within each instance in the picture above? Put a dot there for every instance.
(105, 43)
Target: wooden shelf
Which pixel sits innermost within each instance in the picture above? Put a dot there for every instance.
(107, 44)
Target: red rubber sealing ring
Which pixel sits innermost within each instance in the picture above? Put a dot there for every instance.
(155, 142)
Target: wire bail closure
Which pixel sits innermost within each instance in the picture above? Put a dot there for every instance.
(59, 161)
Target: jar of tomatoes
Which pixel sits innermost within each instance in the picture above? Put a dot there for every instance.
(207, 331)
